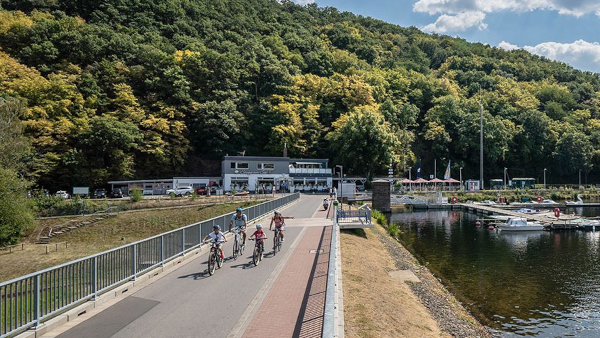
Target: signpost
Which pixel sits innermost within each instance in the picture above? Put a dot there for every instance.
(391, 176)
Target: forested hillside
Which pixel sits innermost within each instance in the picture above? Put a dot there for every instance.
(121, 89)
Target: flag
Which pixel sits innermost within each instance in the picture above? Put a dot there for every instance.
(447, 173)
(419, 169)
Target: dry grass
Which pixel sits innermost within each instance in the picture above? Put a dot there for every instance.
(103, 235)
(376, 305)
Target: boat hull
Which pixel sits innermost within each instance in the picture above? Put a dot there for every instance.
(521, 228)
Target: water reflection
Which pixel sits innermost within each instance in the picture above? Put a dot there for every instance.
(535, 283)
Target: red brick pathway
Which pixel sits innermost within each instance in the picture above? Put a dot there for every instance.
(294, 305)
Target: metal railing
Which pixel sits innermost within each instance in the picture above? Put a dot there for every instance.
(363, 214)
(330, 320)
(27, 301)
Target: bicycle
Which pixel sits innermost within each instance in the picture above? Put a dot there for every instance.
(277, 244)
(257, 254)
(214, 258)
(238, 244)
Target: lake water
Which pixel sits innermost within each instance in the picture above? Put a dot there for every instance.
(537, 283)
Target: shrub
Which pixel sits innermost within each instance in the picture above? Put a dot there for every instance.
(136, 195)
(194, 196)
(393, 230)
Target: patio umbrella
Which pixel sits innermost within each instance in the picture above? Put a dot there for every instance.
(451, 180)
(409, 182)
(421, 181)
(435, 181)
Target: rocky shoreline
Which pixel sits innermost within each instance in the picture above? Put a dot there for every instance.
(449, 313)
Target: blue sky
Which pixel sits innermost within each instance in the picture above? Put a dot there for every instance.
(564, 30)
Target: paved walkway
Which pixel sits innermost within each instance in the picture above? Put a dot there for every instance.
(281, 297)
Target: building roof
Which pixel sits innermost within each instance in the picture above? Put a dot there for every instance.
(256, 158)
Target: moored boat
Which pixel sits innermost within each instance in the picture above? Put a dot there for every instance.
(520, 224)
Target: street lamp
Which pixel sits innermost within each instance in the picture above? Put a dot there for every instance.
(579, 178)
(409, 178)
(460, 178)
(544, 178)
(341, 177)
(504, 178)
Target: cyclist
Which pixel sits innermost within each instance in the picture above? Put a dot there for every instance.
(218, 237)
(260, 236)
(278, 219)
(240, 220)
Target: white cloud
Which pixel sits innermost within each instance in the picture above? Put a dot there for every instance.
(458, 7)
(580, 54)
(507, 46)
(455, 23)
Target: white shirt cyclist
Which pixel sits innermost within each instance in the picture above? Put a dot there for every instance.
(216, 237)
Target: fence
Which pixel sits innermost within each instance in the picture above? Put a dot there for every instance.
(331, 318)
(27, 301)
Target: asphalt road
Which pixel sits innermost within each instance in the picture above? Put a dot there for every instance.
(190, 303)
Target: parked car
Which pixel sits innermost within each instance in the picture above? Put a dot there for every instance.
(181, 191)
(100, 193)
(62, 193)
(117, 193)
(201, 191)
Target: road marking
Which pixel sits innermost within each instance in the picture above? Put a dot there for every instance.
(240, 327)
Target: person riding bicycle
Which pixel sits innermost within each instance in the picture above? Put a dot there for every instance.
(259, 235)
(278, 219)
(240, 220)
(218, 237)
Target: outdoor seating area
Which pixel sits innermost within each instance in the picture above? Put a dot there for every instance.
(436, 184)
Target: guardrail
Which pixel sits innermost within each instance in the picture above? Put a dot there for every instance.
(28, 301)
(330, 317)
(363, 214)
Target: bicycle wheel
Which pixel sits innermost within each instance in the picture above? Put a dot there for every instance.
(275, 244)
(255, 256)
(236, 247)
(219, 259)
(211, 263)
(242, 246)
(260, 253)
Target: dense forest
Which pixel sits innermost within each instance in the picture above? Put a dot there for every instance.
(120, 89)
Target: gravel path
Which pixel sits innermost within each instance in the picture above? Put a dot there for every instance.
(450, 315)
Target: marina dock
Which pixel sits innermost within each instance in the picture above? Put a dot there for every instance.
(563, 222)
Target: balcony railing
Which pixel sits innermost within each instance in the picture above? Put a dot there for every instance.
(326, 171)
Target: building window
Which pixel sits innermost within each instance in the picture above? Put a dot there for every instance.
(265, 166)
(239, 165)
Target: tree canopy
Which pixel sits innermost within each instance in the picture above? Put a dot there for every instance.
(130, 89)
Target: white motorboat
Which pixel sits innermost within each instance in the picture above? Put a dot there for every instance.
(528, 211)
(578, 202)
(520, 224)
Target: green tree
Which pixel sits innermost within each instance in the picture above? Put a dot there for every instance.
(363, 141)
(16, 217)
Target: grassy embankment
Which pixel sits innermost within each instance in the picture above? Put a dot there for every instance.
(103, 235)
(375, 304)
